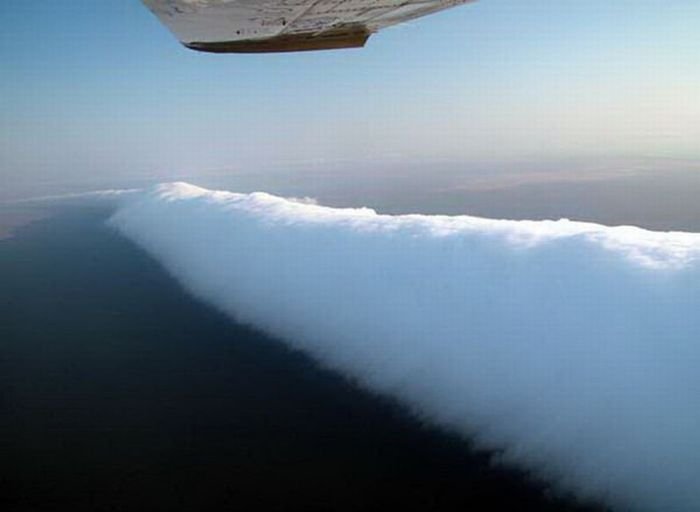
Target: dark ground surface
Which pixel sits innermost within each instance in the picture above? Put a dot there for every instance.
(120, 392)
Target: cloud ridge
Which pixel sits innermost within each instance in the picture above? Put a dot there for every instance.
(573, 348)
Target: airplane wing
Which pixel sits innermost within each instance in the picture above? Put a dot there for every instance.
(255, 26)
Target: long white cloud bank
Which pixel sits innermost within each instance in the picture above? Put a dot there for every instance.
(572, 347)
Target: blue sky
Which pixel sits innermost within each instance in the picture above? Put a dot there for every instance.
(93, 89)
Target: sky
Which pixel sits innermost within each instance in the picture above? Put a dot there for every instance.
(100, 91)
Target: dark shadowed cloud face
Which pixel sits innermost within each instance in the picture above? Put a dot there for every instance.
(571, 347)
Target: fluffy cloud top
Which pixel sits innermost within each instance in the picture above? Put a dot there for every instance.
(572, 347)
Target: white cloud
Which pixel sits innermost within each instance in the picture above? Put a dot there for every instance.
(573, 347)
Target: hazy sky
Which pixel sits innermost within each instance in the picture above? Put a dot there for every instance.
(91, 89)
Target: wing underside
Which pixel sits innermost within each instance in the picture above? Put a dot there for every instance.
(245, 26)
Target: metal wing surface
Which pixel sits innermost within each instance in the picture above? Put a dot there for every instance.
(250, 26)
